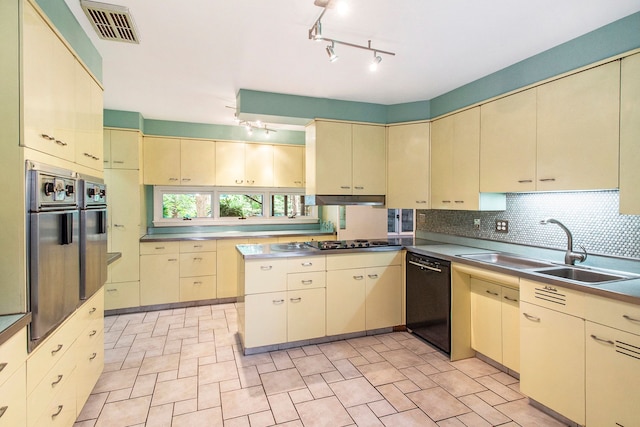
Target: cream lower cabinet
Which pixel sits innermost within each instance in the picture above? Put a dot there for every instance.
(495, 323)
(366, 297)
(227, 267)
(630, 135)
(265, 319)
(159, 273)
(552, 348)
(197, 270)
(13, 392)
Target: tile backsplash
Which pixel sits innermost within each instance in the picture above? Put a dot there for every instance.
(592, 217)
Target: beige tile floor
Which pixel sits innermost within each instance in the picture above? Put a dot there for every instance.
(183, 367)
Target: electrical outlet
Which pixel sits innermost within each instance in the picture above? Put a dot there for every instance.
(502, 226)
(476, 224)
(422, 218)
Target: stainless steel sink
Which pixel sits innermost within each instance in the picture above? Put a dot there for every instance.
(506, 260)
(290, 247)
(583, 275)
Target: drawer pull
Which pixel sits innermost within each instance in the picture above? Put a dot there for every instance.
(345, 187)
(495, 294)
(159, 247)
(93, 356)
(295, 299)
(57, 381)
(239, 181)
(197, 283)
(307, 282)
(266, 267)
(93, 310)
(197, 258)
(306, 264)
(373, 276)
(120, 162)
(421, 202)
(547, 179)
(173, 179)
(47, 137)
(633, 319)
(525, 181)
(278, 301)
(446, 201)
(61, 142)
(359, 188)
(92, 333)
(508, 298)
(358, 277)
(57, 413)
(459, 201)
(530, 317)
(3, 410)
(172, 259)
(118, 225)
(186, 179)
(602, 340)
(2, 366)
(112, 290)
(197, 246)
(57, 349)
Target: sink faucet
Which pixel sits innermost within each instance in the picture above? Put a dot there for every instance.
(570, 257)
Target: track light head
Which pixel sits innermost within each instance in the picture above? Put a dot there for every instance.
(331, 52)
(374, 63)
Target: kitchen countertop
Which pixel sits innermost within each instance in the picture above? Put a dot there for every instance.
(169, 237)
(624, 290)
(10, 324)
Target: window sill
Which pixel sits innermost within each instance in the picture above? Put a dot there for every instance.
(234, 221)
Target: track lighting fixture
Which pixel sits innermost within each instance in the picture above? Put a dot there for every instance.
(331, 52)
(251, 126)
(315, 33)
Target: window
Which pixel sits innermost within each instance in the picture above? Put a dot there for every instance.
(400, 221)
(224, 206)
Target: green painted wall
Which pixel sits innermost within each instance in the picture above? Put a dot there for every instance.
(66, 23)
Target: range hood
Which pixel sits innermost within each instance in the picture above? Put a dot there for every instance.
(340, 200)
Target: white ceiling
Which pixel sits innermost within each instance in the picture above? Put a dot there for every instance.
(195, 55)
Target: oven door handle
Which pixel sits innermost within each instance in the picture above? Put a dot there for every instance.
(426, 266)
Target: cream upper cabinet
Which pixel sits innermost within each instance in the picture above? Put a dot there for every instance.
(578, 130)
(122, 149)
(508, 144)
(455, 164)
(630, 136)
(345, 159)
(258, 165)
(88, 120)
(369, 159)
(49, 89)
(197, 162)
(161, 165)
(408, 166)
(288, 166)
(230, 163)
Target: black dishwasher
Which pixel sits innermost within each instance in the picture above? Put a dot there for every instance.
(429, 299)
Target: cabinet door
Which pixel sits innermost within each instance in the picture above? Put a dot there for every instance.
(265, 275)
(161, 161)
(227, 267)
(629, 136)
(197, 162)
(121, 295)
(125, 149)
(408, 163)
(345, 301)
(383, 299)
(230, 163)
(486, 318)
(508, 144)
(265, 319)
(511, 329)
(125, 223)
(552, 360)
(159, 279)
(197, 288)
(333, 158)
(13, 398)
(369, 159)
(197, 264)
(613, 376)
(442, 133)
(89, 146)
(288, 166)
(466, 159)
(258, 165)
(305, 314)
(578, 130)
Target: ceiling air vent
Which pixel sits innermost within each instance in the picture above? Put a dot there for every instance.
(111, 22)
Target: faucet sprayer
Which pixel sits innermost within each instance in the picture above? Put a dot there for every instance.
(570, 257)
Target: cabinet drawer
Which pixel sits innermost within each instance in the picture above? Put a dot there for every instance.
(52, 384)
(617, 314)
(13, 354)
(198, 246)
(90, 363)
(265, 275)
(312, 263)
(121, 295)
(50, 352)
(13, 397)
(554, 297)
(58, 412)
(363, 260)
(313, 279)
(91, 310)
(156, 248)
(198, 264)
(197, 288)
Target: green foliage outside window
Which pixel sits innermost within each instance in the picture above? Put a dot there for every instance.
(186, 206)
(240, 205)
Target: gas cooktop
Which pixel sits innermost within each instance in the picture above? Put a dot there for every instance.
(351, 244)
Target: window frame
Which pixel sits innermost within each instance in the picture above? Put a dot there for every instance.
(398, 222)
(266, 218)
